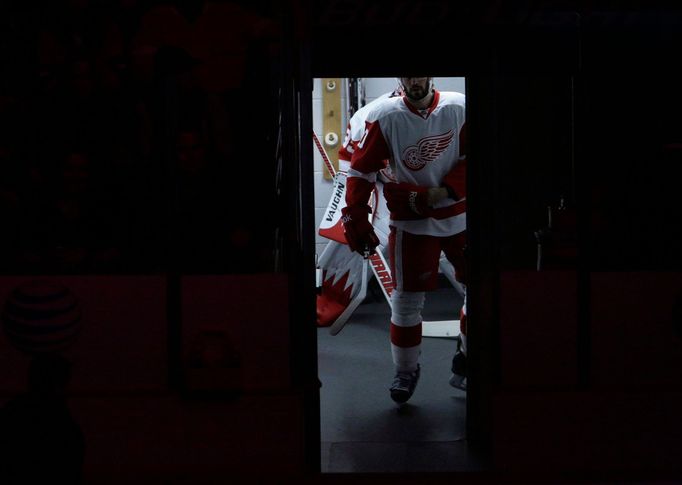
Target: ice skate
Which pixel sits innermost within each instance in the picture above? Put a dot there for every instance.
(403, 385)
(459, 369)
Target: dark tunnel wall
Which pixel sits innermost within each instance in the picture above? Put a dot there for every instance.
(572, 100)
(143, 240)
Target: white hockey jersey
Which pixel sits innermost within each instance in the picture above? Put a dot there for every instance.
(422, 146)
(355, 129)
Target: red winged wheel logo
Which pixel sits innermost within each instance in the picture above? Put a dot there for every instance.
(415, 157)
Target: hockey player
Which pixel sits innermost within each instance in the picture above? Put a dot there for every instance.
(354, 133)
(342, 267)
(421, 134)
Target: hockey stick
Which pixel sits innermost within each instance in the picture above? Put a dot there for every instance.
(438, 328)
(342, 319)
(382, 273)
(325, 157)
(449, 271)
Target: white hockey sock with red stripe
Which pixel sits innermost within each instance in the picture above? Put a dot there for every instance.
(406, 346)
(406, 329)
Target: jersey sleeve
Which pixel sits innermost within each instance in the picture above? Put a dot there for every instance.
(371, 150)
(368, 157)
(346, 151)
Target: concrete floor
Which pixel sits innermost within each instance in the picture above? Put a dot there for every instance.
(362, 428)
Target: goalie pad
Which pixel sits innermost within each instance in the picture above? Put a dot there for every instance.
(341, 267)
(331, 226)
(341, 282)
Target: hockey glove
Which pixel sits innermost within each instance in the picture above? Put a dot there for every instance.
(358, 230)
(405, 201)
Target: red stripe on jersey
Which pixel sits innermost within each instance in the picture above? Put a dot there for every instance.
(344, 153)
(358, 191)
(371, 150)
(406, 336)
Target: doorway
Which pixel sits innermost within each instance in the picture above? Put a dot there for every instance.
(362, 430)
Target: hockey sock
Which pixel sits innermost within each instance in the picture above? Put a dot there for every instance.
(406, 346)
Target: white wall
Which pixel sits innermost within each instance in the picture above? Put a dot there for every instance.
(374, 87)
(323, 187)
